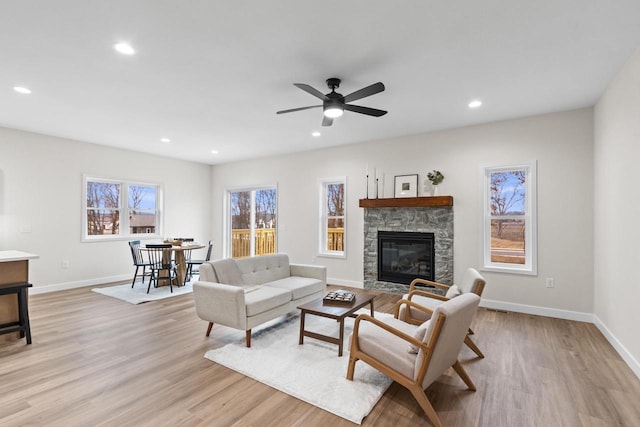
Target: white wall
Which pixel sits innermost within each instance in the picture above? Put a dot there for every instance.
(41, 187)
(617, 211)
(561, 143)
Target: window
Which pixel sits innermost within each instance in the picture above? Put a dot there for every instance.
(332, 217)
(253, 220)
(509, 219)
(105, 215)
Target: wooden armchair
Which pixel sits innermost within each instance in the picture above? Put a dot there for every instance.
(472, 282)
(415, 356)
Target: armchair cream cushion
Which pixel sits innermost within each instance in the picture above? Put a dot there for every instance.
(453, 292)
(419, 334)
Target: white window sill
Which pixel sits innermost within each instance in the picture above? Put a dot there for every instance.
(339, 255)
(510, 270)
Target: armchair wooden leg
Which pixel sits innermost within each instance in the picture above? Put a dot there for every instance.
(209, 328)
(426, 406)
(473, 347)
(248, 334)
(463, 374)
(351, 367)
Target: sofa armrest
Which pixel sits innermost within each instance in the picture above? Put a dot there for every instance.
(220, 303)
(307, 270)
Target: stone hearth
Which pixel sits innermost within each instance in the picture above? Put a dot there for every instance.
(433, 219)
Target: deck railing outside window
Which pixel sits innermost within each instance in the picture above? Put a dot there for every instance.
(265, 241)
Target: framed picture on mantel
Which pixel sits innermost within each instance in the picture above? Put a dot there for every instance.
(405, 186)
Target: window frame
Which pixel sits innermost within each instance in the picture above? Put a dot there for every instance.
(530, 267)
(123, 209)
(228, 223)
(323, 183)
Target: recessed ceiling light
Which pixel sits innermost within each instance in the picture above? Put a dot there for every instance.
(475, 103)
(316, 134)
(22, 89)
(214, 151)
(165, 140)
(124, 48)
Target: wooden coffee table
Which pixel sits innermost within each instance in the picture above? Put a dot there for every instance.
(337, 311)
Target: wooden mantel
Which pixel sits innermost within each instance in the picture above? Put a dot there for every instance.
(407, 202)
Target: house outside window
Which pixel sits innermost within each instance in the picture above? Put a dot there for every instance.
(332, 217)
(253, 222)
(106, 217)
(510, 219)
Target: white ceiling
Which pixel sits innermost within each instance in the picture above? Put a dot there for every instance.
(211, 74)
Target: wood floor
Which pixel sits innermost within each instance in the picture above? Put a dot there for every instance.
(97, 361)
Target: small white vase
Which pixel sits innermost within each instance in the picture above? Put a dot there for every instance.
(435, 191)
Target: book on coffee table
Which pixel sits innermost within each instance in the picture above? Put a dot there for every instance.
(340, 296)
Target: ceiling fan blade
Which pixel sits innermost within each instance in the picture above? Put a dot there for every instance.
(327, 121)
(313, 91)
(297, 109)
(364, 92)
(365, 110)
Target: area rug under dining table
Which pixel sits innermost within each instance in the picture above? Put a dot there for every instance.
(311, 372)
(138, 294)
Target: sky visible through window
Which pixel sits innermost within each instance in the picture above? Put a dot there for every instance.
(142, 197)
(508, 192)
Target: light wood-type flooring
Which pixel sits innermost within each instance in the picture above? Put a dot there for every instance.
(97, 361)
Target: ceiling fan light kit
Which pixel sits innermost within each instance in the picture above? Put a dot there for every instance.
(334, 104)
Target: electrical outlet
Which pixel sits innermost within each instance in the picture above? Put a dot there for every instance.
(64, 264)
(551, 282)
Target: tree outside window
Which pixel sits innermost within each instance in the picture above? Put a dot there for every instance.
(103, 208)
(105, 216)
(332, 223)
(253, 219)
(509, 219)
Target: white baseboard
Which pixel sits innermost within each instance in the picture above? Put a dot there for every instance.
(79, 284)
(538, 311)
(347, 283)
(631, 361)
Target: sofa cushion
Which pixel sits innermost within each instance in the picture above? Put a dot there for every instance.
(227, 271)
(262, 269)
(299, 286)
(265, 298)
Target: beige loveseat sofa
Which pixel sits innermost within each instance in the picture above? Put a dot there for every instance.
(247, 292)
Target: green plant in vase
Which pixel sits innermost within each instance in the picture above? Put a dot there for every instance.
(435, 178)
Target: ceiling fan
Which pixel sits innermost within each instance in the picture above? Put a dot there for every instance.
(334, 104)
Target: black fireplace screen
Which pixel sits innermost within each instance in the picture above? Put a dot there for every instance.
(404, 256)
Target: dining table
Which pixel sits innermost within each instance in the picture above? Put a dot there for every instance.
(178, 252)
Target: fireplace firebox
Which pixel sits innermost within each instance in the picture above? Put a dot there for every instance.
(404, 256)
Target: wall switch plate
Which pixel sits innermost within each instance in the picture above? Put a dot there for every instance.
(551, 283)
(64, 264)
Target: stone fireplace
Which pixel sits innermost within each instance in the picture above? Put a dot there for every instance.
(415, 215)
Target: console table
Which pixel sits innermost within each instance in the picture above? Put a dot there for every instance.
(14, 278)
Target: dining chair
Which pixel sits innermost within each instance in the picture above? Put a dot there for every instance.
(138, 261)
(192, 262)
(160, 260)
(415, 356)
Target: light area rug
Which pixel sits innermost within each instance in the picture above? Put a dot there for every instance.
(311, 372)
(138, 294)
